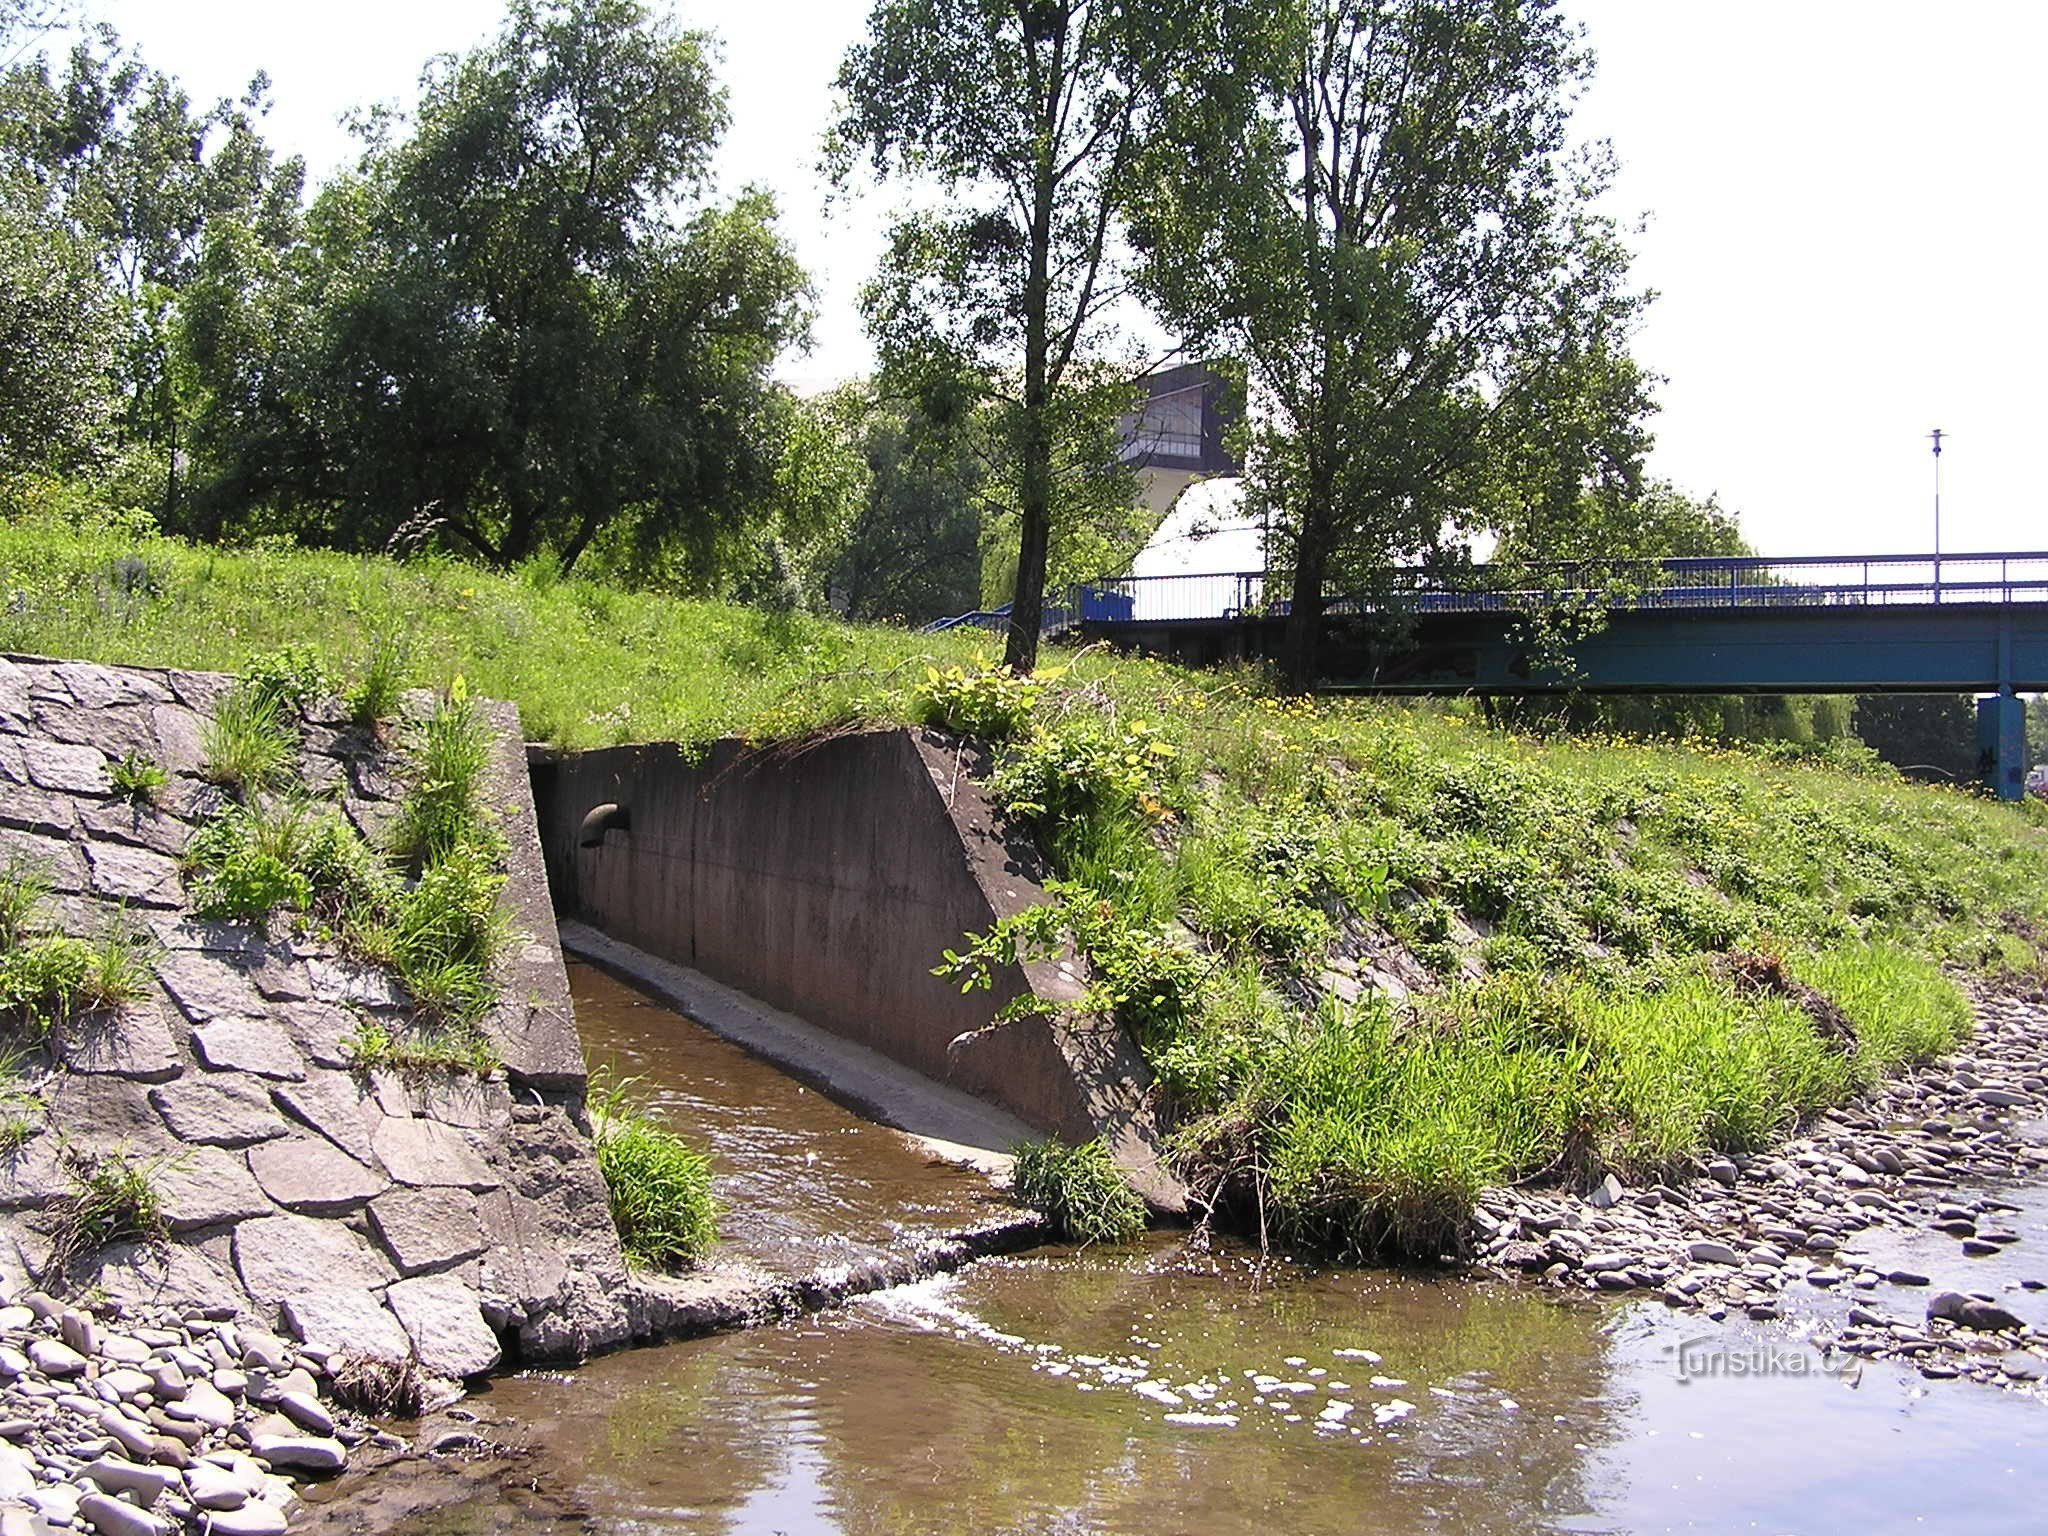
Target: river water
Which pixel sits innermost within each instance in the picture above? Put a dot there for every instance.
(1166, 1389)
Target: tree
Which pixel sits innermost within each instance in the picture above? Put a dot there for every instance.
(1929, 735)
(2037, 727)
(1032, 117)
(117, 154)
(1398, 240)
(536, 330)
(913, 552)
(56, 347)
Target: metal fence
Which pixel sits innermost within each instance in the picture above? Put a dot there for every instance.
(1816, 582)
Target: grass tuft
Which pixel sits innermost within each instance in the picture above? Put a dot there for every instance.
(660, 1187)
(113, 1199)
(1080, 1191)
(245, 745)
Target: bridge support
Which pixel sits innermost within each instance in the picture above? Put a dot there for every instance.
(2002, 744)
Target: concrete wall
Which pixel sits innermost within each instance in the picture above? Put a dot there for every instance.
(828, 881)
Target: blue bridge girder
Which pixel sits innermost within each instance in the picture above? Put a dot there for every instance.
(1876, 624)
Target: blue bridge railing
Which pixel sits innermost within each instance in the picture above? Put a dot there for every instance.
(1822, 581)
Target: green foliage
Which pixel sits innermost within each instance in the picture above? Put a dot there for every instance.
(1391, 229)
(443, 810)
(138, 777)
(46, 977)
(537, 330)
(24, 887)
(245, 745)
(988, 703)
(1080, 1191)
(374, 696)
(1086, 769)
(113, 1199)
(247, 863)
(426, 1049)
(660, 1188)
(1001, 297)
(57, 347)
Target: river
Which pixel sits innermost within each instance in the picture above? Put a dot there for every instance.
(1169, 1388)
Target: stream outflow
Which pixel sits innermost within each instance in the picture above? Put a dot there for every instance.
(1166, 1388)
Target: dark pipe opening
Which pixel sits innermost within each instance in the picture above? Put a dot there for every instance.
(600, 820)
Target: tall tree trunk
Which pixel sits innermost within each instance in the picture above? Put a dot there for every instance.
(1034, 489)
(1305, 607)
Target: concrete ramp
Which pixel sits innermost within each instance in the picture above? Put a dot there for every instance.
(826, 880)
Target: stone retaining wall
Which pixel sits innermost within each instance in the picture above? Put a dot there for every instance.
(442, 1217)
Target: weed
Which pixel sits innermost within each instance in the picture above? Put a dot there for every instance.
(421, 1048)
(375, 695)
(245, 860)
(990, 703)
(377, 1386)
(245, 746)
(443, 807)
(52, 977)
(285, 681)
(1079, 1190)
(113, 1199)
(660, 1187)
(138, 777)
(17, 1130)
(24, 888)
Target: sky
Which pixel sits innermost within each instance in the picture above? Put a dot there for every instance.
(1842, 202)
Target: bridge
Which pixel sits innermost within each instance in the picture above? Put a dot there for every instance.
(1857, 624)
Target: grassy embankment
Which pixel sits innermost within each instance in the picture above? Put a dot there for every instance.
(1620, 956)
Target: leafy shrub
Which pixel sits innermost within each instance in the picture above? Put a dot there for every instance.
(1087, 769)
(246, 859)
(1143, 974)
(1080, 1191)
(286, 681)
(659, 1187)
(989, 703)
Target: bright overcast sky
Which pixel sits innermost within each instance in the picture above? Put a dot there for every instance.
(1844, 203)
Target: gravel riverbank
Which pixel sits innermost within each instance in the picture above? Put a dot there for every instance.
(1766, 1234)
(141, 1422)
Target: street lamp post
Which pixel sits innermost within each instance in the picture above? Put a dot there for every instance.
(1937, 434)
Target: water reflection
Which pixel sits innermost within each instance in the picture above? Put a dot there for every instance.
(1165, 1389)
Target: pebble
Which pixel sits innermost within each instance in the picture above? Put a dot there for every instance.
(306, 1453)
(114, 1518)
(53, 1357)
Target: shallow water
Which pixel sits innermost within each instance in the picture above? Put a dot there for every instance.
(803, 1181)
(1165, 1389)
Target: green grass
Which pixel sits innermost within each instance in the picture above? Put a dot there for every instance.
(112, 1199)
(48, 977)
(1564, 898)
(587, 665)
(1079, 1190)
(246, 745)
(659, 1186)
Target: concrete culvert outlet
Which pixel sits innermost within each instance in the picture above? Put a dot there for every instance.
(600, 820)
